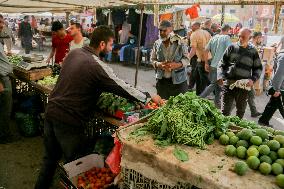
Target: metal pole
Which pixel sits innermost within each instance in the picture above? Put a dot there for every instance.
(223, 15)
(137, 61)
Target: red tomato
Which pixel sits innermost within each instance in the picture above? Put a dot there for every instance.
(109, 180)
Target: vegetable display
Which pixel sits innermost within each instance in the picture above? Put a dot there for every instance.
(15, 59)
(48, 81)
(263, 150)
(187, 119)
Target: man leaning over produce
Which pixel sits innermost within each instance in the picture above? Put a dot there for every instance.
(81, 81)
(240, 65)
(5, 92)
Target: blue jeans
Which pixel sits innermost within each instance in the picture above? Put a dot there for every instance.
(213, 86)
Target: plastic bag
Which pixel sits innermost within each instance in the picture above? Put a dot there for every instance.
(114, 158)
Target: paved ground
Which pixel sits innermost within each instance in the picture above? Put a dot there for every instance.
(20, 160)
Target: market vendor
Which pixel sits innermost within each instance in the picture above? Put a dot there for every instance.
(169, 58)
(60, 43)
(83, 77)
(78, 39)
(5, 92)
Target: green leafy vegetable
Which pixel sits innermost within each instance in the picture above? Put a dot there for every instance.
(180, 154)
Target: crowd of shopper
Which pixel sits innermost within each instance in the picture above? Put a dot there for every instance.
(219, 66)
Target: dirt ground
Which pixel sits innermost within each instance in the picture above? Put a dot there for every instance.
(20, 161)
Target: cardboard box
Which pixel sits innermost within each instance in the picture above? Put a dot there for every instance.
(268, 54)
(75, 168)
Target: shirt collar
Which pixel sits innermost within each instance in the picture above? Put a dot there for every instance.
(250, 46)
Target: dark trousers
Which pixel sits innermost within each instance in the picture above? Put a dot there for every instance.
(270, 108)
(60, 139)
(201, 77)
(27, 44)
(5, 107)
(251, 101)
(228, 98)
(192, 80)
(166, 88)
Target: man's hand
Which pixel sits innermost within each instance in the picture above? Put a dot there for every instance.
(174, 65)
(207, 67)
(220, 82)
(1, 87)
(157, 99)
(277, 94)
(250, 83)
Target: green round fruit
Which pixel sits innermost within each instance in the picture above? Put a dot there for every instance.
(273, 155)
(278, 132)
(217, 134)
(253, 162)
(280, 161)
(280, 180)
(264, 150)
(274, 145)
(269, 129)
(224, 139)
(254, 146)
(265, 168)
(261, 133)
(230, 150)
(279, 138)
(280, 153)
(276, 169)
(241, 168)
(256, 140)
(252, 152)
(230, 134)
(241, 152)
(242, 143)
(234, 140)
(266, 159)
(245, 134)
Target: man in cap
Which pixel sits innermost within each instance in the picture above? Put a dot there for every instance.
(169, 58)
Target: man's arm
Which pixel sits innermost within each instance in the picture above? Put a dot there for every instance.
(257, 67)
(279, 75)
(51, 55)
(224, 64)
(156, 64)
(109, 82)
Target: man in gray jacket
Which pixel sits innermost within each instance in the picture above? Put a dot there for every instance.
(169, 58)
(276, 92)
(5, 92)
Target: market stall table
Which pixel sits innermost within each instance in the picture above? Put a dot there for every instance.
(144, 164)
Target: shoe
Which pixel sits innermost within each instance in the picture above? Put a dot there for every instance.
(256, 114)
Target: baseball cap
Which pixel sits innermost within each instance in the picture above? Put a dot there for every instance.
(165, 24)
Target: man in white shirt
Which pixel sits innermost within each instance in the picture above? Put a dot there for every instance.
(78, 39)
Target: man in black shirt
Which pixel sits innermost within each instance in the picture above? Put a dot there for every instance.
(240, 61)
(82, 79)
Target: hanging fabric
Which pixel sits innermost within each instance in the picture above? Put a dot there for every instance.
(192, 12)
(178, 20)
(167, 16)
(152, 33)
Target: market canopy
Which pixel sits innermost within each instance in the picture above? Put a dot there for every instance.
(211, 2)
(227, 18)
